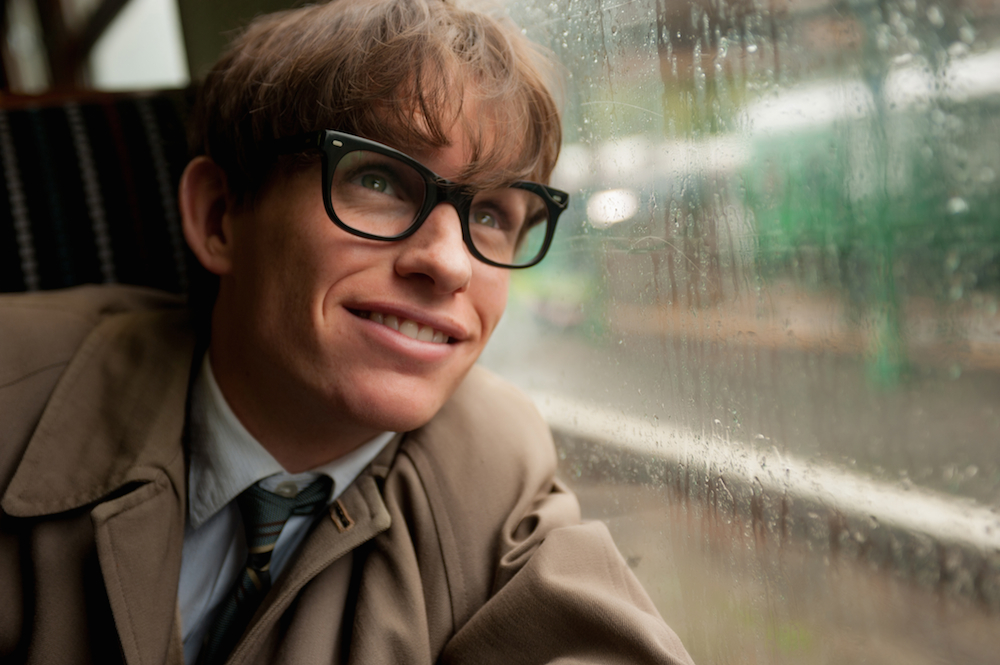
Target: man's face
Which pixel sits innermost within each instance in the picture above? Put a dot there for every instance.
(376, 335)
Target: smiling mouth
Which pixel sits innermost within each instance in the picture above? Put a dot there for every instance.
(411, 329)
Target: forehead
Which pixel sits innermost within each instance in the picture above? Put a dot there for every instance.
(448, 161)
(474, 141)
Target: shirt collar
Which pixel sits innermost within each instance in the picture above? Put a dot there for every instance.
(226, 459)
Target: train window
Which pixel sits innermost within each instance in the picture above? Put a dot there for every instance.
(767, 335)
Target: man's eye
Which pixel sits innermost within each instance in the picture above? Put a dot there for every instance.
(375, 183)
(485, 219)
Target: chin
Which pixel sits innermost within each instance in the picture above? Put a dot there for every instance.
(402, 409)
(394, 420)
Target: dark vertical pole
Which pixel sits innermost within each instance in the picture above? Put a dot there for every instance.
(4, 79)
(55, 36)
(68, 50)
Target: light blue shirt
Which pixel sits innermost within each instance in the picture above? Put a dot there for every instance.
(225, 460)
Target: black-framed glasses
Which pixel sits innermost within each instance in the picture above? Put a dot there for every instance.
(376, 192)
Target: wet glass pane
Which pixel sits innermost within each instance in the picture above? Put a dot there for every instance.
(767, 335)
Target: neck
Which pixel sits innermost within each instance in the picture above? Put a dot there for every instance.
(296, 429)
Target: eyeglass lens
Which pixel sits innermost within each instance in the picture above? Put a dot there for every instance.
(380, 195)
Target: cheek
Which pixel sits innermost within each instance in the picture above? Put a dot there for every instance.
(492, 299)
(293, 249)
(273, 267)
(278, 273)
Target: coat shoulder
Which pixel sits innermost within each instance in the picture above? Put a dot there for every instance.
(44, 329)
(40, 334)
(517, 558)
(486, 465)
(488, 437)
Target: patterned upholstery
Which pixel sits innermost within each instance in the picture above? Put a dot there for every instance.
(88, 193)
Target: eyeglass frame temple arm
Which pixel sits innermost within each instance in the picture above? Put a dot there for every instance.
(288, 145)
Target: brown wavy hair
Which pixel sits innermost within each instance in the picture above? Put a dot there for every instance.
(401, 72)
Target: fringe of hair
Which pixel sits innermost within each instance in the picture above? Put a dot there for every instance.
(401, 72)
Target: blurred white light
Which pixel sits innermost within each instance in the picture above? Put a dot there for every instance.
(909, 84)
(142, 49)
(611, 207)
(573, 167)
(811, 105)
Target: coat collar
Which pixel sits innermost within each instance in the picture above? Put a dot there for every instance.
(116, 416)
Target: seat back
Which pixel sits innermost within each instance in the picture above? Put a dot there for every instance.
(88, 192)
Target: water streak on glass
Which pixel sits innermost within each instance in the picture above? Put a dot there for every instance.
(767, 335)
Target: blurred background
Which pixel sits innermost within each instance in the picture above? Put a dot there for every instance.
(767, 336)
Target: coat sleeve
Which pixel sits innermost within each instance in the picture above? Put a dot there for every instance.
(570, 599)
(554, 589)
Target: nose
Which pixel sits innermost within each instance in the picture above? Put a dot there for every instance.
(437, 252)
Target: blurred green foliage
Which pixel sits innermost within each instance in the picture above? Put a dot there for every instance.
(880, 210)
(902, 216)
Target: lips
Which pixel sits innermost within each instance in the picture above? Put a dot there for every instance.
(404, 326)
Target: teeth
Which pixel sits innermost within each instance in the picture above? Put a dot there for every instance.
(411, 329)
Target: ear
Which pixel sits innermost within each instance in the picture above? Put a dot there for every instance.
(205, 207)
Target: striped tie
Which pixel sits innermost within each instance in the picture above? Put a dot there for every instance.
(264, 515)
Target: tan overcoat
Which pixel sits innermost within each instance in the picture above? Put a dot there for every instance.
(466, 550)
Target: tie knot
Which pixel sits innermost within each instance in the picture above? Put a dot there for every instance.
(265, 513)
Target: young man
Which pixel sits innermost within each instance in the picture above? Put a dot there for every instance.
(315, 472)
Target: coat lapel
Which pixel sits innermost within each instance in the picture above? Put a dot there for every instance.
(358, 516)
(111, 436)
(137, 545)
(115, 418)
